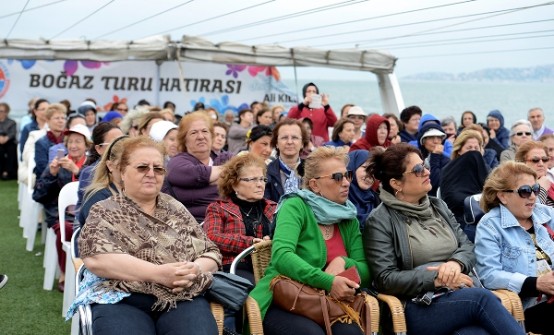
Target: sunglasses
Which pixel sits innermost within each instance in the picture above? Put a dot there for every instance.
(535, 160)
(521, 133)
(419, 169)
(526, 190)
(158, 170)
(338, 177)
(254, 179)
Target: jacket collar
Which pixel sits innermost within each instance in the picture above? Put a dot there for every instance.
(539, 216)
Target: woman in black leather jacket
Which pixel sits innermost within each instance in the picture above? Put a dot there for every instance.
(414, 246)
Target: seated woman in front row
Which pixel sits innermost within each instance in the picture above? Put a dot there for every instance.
(150, 259)
(317, 236)
(411, 229)
(514, 242)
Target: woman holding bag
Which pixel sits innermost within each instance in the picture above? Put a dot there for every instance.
(316, 238)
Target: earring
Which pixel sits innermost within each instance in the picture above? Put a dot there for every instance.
(396, 193)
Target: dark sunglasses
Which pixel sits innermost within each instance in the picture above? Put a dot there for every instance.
(520, 133)
(338, 177)
(419, 169)
(526, 190)
(158, 170)
(535, 160)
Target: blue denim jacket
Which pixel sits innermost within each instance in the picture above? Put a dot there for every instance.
(505, 251)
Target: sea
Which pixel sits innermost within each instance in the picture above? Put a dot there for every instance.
(445, 98)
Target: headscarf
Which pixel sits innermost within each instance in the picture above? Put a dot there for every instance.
(370, 138)
(365, 201)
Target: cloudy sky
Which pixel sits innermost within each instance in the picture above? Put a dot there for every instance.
(426, 35)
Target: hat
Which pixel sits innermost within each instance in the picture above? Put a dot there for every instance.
(111, 116)
(432, 132)
(355, 110)
(160, 129)
(86, 106)
(79, 129)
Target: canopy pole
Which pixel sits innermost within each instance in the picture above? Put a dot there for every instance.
(295, 74)
(181, 76)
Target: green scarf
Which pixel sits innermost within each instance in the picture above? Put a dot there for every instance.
(423, 211)
(326, 212)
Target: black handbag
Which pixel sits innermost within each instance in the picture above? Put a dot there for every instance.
(229, 290)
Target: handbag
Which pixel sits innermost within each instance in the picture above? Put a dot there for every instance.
(229, 290)
(316, 305)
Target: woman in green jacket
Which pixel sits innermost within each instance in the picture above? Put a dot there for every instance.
(316, 237)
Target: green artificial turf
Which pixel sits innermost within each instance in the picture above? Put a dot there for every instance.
(25, 308)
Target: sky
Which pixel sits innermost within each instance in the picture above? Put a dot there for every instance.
(425, 35)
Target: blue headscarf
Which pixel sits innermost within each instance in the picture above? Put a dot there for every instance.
(365, 201)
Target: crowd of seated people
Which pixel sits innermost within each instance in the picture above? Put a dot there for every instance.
(317, 185)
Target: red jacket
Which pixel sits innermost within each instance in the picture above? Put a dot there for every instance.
(322, 118)
(224, 226)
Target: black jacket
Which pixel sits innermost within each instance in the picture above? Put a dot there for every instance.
(274, 187)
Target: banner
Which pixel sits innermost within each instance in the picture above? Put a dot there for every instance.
(222, 86)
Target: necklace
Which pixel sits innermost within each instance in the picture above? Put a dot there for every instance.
(247, 213)
(327, 231)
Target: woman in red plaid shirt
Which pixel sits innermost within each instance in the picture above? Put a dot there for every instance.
(243, 217)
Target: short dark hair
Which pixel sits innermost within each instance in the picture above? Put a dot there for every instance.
(408, 112)
(339, 126)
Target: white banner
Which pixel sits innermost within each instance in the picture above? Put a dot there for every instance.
(220, 86)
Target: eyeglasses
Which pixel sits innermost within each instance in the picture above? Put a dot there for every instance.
(103, 144)
(536, 160)
(254, 179)
(338, 177)
(419, 169)
(526, 190)
(290, 138)
(521, 133)
(158, 170)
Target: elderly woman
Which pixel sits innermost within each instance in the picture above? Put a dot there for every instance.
(131, 122)
(166, 133)
(106, 180)
(192, 174)
(431, 141)
(147, 121)
(464, 176)
(243, 217)
(148, 262)
(376, 134)
(514, 243)
(317, 237)
(343, 133)
(361, 193)
(521, 132)
(414, 246)
(534, 154)
(284, 173)
(61, 171)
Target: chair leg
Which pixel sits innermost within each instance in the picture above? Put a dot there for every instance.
(69, 285)
(51, 261)
(75, 324)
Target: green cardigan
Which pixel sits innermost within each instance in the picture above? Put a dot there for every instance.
(299, 251)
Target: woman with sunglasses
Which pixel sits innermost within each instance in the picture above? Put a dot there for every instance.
(316, 237)
(534, 154)
(520, 133)
(514, 242)
(414, 246)
(148, 261)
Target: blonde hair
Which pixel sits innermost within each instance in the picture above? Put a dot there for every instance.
(231, 170)
(102, 175)
(55, 108)
(315, 161)
(185, 124)
(501, 179)
(462, 139)
(127, 121)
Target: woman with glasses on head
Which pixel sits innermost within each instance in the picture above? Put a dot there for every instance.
(243, 216)
(317, 237)
(414, 247)
(514, 242)
(147, 260)
(520, 133)
(285, 173)
(534, 154)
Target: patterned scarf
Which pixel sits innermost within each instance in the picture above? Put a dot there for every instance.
(293, 180)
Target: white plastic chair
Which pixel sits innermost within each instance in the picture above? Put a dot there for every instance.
(31, 210)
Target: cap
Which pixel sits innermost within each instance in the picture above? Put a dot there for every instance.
(79, 129)
(160, 129)
(356, 110)
(432, 132)
(111, 116)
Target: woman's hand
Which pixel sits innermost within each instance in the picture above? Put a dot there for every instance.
(343, 288)
(258, 240)
(54, 167)
(324, 99)
(336, 266)
(177, 276)
(307, 100)
(69, 165)
(448, 274)
(545, 283)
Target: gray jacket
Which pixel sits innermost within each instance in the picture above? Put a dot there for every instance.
(388, 252)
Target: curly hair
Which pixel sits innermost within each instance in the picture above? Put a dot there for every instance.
(230, 172)
(502, 178)
(317, 158)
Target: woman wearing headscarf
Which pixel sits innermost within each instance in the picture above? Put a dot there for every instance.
(376, 134)
(431, 141)
(498, 133)
(361, 193)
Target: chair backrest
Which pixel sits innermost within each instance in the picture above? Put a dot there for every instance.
(30, 174)
(472, 211)
(68, 196)
(261, 256)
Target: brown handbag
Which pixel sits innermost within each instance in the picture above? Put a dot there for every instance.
(316, 305)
